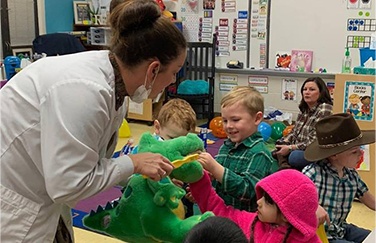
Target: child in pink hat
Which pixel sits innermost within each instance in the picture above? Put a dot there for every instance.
(287, 202)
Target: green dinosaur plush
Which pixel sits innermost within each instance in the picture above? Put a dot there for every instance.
(148, 211)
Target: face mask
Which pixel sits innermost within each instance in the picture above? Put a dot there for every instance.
(141, 94)
(156, 100)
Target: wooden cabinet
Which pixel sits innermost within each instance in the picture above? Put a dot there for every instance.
(345, 85)
(147, 111)
(142, 111)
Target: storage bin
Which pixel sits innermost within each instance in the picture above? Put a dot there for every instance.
(365, 54)
(11, 63)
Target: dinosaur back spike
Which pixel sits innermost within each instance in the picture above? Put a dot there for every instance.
(99, 209)
(92, 212)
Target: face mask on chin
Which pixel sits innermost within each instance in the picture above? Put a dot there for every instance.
(156, 99)
(141, 94)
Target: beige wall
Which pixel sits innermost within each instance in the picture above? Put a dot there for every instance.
(272, 98)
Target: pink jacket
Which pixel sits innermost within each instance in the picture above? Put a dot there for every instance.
(208, 200)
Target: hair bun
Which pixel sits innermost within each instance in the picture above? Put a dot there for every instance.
(137, 15)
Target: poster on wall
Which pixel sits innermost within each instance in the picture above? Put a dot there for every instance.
(190, 19)
(259, 82)
(359, 99)
(289, 89)
(227, 82)
(282, 60)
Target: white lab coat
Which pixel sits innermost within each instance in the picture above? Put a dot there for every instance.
(57, 119)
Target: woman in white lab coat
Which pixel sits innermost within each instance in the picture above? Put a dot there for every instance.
(60, 117)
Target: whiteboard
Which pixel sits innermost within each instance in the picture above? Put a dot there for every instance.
(319, 26)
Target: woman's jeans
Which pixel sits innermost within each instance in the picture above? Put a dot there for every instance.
(297, 161)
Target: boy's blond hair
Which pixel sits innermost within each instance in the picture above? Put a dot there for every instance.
(179, 112)
(248, 96)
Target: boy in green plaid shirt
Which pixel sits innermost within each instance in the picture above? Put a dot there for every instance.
(243, 159)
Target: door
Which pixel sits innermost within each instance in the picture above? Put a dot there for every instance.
(19, 26)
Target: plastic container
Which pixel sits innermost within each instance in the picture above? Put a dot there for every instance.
(346, 65)
(10, 64)
(365, 54)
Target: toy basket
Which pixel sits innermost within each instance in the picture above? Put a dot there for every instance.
(365, 54)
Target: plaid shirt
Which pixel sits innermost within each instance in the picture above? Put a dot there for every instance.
(304, 131)
(245, 165)
(335, 194)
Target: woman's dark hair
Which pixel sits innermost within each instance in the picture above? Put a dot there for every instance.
(140, 33)
(270, 201)
(216, 230)
(324, 93)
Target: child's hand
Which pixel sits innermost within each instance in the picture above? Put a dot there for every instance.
(211, 165)
(177, 182)
(322, 216)
(189, 196)
(207, 161)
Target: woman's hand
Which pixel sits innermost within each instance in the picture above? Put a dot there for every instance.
(283, 149)
(155, 166)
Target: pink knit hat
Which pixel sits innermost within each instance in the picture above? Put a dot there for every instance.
(296, 197)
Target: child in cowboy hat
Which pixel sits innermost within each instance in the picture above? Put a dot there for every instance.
(337, 151)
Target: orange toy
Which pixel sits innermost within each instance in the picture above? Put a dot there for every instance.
(360, 160)
(287, 130)
(216, 125)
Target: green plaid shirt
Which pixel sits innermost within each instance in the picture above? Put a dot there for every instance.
(245, 165)
(335, 194)
(304, 131)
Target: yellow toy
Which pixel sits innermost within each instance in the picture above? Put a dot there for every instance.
(124, 131)
(321, 234)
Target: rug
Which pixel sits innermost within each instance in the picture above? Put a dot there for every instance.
(85, 206)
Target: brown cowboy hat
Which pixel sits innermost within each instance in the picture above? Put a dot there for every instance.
(335, 134)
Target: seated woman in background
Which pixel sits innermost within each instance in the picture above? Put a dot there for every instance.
(316, 104)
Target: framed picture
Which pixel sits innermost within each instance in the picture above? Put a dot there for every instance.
(81, 11)
(22, 52)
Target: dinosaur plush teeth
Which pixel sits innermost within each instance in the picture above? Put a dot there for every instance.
(108, 206)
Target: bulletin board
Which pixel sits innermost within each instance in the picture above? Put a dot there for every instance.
(340, 98)
(324, 27)
(241, 28)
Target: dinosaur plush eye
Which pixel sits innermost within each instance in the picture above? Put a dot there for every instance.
(106, 221)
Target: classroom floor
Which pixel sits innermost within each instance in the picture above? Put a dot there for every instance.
(360, 215)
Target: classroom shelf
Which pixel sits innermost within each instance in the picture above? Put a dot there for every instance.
(275, 73)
